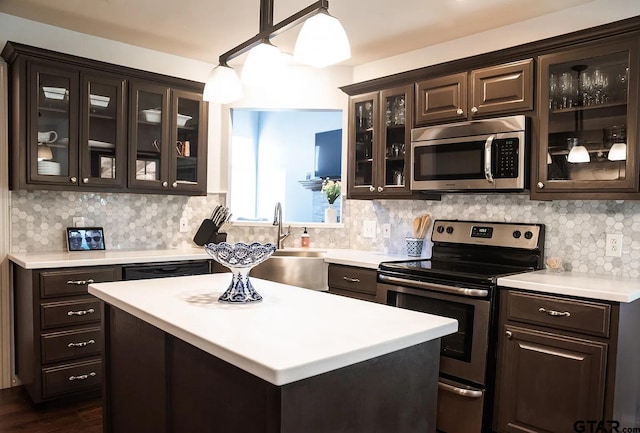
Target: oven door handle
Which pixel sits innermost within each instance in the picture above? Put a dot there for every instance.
(475, 293)
(471, 393)
(488, 145)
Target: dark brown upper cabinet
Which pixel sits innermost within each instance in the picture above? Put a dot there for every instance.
(79, 124)
(505, 88)
(379, 142)
(587, 146)
(167, 137)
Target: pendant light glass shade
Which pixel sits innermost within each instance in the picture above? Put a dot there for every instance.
(618, 152)
(578, 154)
(264, 63)
(322, 41)
(223, 85)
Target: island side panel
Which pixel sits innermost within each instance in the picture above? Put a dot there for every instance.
(395, 393)
(135, 396)
(209, 395)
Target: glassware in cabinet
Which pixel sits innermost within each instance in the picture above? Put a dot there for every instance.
(588, 120)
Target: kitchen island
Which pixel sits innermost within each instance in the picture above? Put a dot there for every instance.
(177, 360)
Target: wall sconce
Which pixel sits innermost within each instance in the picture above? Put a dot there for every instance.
(321, 42)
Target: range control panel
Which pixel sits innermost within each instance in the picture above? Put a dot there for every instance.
(509, 235)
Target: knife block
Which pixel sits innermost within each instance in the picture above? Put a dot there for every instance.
(207, 233)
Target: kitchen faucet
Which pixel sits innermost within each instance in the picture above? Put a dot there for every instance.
(277, 221)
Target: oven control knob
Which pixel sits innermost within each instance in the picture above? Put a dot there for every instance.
(528, 235)
(517, 234)
(440, 229)
(449, 230)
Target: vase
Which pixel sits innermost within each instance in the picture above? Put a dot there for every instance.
(240, 258)
(330, 214)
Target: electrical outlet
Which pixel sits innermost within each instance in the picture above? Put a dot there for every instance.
(78, 221)
(184, 225)
(369, 229)
(386, 231)
(613, 246)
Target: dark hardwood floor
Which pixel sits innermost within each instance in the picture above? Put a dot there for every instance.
(18, 414)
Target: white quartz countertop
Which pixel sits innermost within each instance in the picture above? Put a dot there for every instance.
(366, 259)
(291, 335)
(604, 288)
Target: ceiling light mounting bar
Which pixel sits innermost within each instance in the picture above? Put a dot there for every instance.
(268, 29)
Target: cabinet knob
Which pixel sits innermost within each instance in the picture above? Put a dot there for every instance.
(165, 184)
(460, 111)
(73, 179)
(474, 110)
(380, 189)
(372, 189)
(509, 335)
(174, 184)
(85, 180)
(540, 185)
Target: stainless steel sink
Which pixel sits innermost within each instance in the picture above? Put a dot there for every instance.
(294, 267)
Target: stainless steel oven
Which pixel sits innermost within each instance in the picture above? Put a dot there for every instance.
(482, 155)
(459, 282)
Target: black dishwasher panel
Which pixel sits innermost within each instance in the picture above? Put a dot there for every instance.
(166, 269)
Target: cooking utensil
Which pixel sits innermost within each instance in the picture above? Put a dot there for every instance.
(425, 221)
(209, 228)
(416, 226)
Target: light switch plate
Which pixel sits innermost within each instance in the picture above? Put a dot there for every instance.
(369, 230)
(78, 221)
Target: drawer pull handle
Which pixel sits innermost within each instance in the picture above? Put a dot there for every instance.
(82, 343)
(351, 280)
(554, 313)
(81, 312)
(509, 335)
(80, 282)
(83, 376)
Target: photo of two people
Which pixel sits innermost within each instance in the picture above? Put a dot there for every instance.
(85, 238)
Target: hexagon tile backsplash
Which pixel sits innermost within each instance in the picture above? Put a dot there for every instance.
(575, 230)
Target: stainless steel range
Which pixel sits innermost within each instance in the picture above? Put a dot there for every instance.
(460, 281)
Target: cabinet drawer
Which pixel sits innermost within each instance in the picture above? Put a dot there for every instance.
(77, 312)
(353, 279)
(352, 294)
(572, 315)
(59, 346)
(73, 282)
(71, 378)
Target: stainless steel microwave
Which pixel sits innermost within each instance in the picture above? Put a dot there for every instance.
(480, 155)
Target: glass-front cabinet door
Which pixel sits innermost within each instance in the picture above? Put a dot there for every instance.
(53, 137)
(395, 143)
(188, 164)
(588, 121)
(149, 149)
(103, 137)
(362, 146)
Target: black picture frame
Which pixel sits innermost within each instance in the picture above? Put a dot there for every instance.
(84, 239)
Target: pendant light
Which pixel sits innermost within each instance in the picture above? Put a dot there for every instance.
(322, 42)
(618, 152)
(264, 63)
(223, 85)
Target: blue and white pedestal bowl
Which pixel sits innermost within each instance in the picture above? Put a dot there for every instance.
(240, 258)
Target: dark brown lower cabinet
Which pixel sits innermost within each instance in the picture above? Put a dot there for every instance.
(570, 387)
(353, 282)
(565, 362)
(155, 382)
